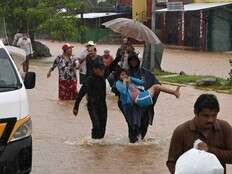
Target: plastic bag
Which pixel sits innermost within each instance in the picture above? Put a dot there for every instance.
(197, 161)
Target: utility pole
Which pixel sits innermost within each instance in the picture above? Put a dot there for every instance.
(82, 24)
(152, 54)
(153, 16)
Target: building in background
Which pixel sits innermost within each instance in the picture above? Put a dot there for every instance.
(125, 2)
(139, 10)
(202, 25)
(96, 31)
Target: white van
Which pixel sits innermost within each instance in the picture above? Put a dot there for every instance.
(15, 119)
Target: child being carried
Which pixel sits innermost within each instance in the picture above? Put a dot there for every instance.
(132, 90)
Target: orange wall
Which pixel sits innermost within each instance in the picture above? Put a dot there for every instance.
(149, 8)
(139, 10)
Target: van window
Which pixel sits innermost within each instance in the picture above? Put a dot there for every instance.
(8, 77)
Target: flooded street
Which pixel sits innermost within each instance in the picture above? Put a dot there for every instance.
(62, 144)
(191, 62)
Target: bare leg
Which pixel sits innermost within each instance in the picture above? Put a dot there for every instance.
(157, 88)
(26, 64)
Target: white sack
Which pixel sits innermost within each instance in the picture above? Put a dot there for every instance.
(197, 161)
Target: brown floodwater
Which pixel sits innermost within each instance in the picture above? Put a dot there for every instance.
(191, 62)
(62, 143)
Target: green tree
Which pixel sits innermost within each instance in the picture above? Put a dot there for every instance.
(56, 17)
(107, 3)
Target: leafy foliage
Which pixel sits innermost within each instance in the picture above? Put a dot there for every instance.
(230, 73)
(56, 17)
(107, 3)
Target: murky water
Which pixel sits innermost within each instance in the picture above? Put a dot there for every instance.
(191, 62)
(62, 143)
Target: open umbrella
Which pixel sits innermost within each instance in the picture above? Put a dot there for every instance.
(133, 29)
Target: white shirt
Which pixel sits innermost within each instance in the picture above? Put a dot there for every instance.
(81, 56)
(16, 38)
(25, 45)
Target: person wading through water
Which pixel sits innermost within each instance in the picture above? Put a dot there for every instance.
(67, 66)
(136, 127)
(95, 89)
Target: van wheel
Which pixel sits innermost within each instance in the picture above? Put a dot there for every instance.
(29, 80)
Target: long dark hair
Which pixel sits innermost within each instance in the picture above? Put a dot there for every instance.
(119, 71)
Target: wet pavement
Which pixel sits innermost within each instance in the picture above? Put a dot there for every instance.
(62, 144)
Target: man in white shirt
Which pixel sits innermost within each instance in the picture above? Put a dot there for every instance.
(18, 35)
(25, 44)
(81, 57)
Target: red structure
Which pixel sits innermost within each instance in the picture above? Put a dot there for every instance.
(125, 2)
(149, 8)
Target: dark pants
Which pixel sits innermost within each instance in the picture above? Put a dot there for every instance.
(82, 78)
(26, 64)
(134, 131)
(98, 115)
(144, 124)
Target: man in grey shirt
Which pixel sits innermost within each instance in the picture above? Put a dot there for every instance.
(18, 35)
(24, 43)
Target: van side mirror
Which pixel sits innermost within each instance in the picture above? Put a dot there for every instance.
(29, 80)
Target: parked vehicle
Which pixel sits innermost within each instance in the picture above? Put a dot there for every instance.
(15, 118)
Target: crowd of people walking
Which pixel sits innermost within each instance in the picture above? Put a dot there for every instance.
(137, 90)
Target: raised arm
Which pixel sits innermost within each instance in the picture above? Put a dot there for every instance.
(121, 88)
(114, 65)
